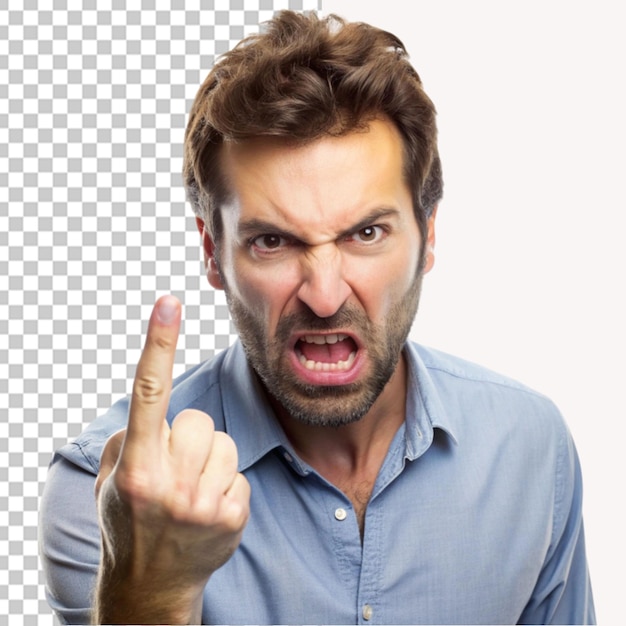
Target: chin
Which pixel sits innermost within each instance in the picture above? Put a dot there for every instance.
(325, 406)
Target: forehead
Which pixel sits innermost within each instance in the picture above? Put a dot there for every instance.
(319, 187)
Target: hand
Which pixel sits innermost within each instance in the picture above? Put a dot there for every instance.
(172, 506)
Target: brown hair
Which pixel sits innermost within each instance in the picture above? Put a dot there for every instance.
(302, 78)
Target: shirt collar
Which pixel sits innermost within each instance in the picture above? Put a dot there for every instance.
(250, 420)
(425, 410)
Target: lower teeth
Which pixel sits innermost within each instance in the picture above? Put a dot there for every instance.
(319, 366)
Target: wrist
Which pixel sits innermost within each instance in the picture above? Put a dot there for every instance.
(134, 602)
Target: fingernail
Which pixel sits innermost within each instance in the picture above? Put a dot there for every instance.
(167, 310)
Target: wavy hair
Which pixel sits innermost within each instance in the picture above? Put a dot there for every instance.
(302, 78)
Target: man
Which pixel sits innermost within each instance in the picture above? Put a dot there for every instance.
(322, 469)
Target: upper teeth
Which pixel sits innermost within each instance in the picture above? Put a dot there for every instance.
(322, 339)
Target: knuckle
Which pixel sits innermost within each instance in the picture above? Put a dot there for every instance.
(128, 484)
(148, 388)
(225, 445)
(236, 516)
(137, 489)
(194, 418)
(224, 454)
(163, 342)
(179, 504)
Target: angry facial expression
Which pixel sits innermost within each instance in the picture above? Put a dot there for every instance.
(320, 260)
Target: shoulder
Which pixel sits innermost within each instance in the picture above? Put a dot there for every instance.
(457, 372)
(501, 422)
(450, 367)
(472, 396)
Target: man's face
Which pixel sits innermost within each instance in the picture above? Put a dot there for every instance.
(319, 259)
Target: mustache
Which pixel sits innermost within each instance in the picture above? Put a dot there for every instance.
(306, 320)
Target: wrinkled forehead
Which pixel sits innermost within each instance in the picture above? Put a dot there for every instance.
(324, 186)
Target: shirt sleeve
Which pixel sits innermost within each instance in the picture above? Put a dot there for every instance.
(69, 539)
(563, 591)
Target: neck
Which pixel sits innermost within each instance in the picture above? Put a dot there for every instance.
(351, 456)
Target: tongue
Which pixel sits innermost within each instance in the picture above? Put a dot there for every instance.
(327, 353)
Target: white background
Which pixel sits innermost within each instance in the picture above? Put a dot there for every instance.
(530, 254)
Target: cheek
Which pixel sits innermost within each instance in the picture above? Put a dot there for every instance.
(265, 291)
(379, 285)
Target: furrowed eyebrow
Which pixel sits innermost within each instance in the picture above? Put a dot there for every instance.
(369, 219)
(254, 226)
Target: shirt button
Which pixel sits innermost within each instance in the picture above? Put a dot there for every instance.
(367, 612)
(288, 457)
(340, 514)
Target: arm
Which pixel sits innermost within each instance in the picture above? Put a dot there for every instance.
(563, 591)
(171, 504)
(69, 540)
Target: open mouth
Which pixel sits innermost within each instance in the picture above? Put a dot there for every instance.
(326, 353)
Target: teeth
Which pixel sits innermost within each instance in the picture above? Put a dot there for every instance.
(322, 339)
(318, 366)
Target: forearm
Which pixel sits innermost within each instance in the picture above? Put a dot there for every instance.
(124, 598)
(135, 606)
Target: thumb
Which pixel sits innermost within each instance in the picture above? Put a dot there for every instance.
(110, 454)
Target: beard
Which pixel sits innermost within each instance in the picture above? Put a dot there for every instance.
(326, 405)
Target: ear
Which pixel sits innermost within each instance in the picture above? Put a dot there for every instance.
(430, 242)
(210, 265)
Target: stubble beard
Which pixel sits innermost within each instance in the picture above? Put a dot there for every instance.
(319, 405)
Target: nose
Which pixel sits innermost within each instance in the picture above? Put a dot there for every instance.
(324, 288)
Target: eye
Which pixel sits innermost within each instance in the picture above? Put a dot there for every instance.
(268, 242)
(369, 234)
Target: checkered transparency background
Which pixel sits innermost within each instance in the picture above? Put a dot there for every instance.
(93, 226)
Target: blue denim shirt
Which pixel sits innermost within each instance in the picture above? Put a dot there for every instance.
(475, 517)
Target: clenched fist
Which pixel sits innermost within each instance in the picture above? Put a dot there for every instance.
(172, 505)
